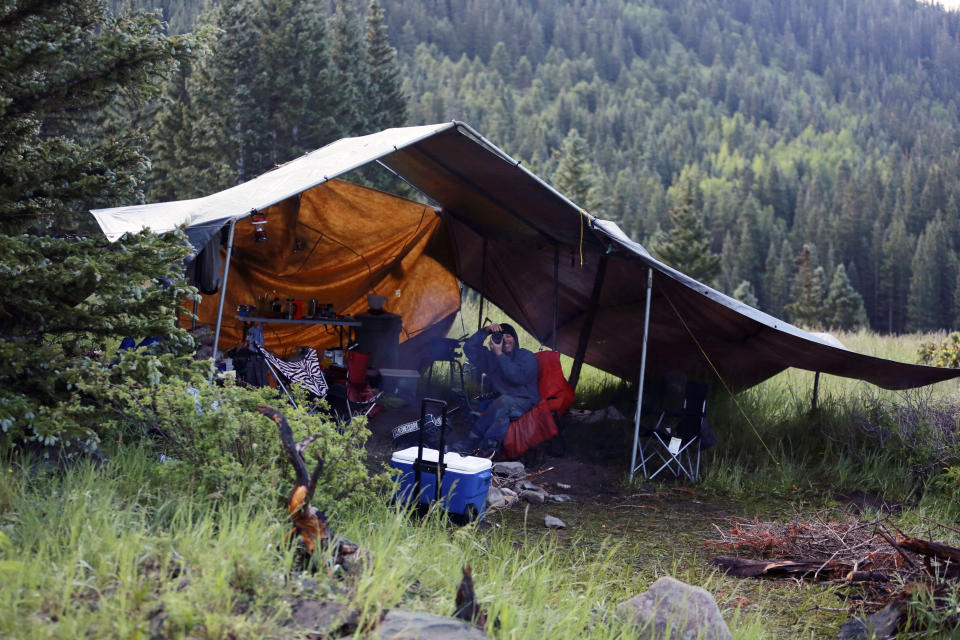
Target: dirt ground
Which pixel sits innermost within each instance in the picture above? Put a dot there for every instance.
(589, 458)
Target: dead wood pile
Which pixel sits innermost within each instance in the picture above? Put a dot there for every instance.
(887, 567)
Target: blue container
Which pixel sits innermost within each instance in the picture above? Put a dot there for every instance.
(466, 481)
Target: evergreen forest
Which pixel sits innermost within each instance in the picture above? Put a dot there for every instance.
(827, 125)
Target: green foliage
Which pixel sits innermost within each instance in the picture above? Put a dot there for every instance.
(575, 175)
(944, 354)
(63, 66)
(745, 294)
(686, 246)
(806, 309)
(215, 438)
(67, 301)
(843, 306)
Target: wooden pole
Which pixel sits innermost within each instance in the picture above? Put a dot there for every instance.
(588, 322)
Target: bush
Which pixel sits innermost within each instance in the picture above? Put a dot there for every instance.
(945, 354)
(214, 436)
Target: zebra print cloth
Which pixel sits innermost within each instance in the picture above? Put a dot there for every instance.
(306, 371)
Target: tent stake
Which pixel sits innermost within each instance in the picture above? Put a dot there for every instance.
(223, 295)
(643, 370)
(588, 322)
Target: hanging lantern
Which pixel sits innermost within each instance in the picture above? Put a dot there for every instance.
(259, 221)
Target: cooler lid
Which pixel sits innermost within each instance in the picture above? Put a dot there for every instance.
(454, 461)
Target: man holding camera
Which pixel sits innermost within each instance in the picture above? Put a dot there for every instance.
(512, 372)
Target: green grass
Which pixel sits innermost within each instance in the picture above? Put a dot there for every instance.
(121, 551)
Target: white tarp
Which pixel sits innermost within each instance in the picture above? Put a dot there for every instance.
(210, 213)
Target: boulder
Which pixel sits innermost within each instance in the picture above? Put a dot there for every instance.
(554, 523)
(674, 610)
(495, 498)
(509, 469)
(325, 618)
(533, 497)
(409, 625)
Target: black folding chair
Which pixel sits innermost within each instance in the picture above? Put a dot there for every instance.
(305, 370)
(674, 441)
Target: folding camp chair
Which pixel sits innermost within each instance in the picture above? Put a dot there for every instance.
(361, 398)
(674, 442)
(448, 350)
(306, 371)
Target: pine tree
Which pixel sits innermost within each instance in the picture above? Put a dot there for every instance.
(894, 277)
(264, 95)
(61, 65)
(686, 247)
(66, 298)
(933, 279)
(745, 293)
(575, 176)
(843, 307)
(351, 84)
(806, 307)
(386, 102)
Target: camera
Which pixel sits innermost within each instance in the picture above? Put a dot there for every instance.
(496, 337)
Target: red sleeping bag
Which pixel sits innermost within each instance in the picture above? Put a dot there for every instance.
(538, 424)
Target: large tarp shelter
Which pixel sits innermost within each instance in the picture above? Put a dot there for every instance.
(574, 281)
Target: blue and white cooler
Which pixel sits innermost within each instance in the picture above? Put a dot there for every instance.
(463, 490)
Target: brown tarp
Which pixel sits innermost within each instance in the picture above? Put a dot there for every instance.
(338, 242)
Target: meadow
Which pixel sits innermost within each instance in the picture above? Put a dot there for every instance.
(135, 548)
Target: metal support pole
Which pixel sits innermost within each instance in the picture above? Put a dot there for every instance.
(643, 370)
(223, 295)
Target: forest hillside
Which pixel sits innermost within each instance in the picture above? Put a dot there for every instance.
(817, 139)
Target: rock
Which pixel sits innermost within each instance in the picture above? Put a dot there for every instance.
(559, 497)
(554, 523)
(509, 469)
(407, 625)
(495, 498)
(326, 618)
(673, 610)
(529, 486)
(880, 625)
(348, 555)
(533, 497)
(561, 485)
(508, 493)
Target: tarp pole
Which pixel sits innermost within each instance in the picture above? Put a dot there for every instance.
(483, 283)
(556, 292)
(816, 387)
(643, 370)
(223, 295)
(588, 322)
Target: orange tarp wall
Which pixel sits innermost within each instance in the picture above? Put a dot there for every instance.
(337, 242)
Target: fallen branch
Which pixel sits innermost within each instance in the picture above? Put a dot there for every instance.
(308, 521)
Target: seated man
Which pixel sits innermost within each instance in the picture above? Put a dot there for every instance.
(512, 372)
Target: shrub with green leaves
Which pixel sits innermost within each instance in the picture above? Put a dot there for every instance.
(945, 354)
(213, 436)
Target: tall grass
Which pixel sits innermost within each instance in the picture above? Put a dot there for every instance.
(106, 551)
(112, 552)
